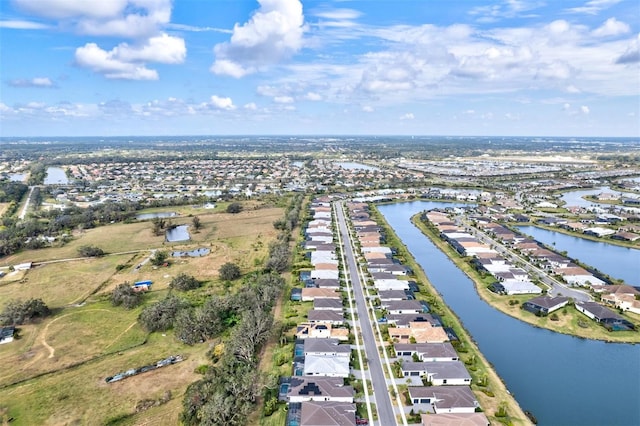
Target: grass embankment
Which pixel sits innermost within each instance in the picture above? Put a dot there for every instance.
(490, 390)
(569, 320)
(58, 366)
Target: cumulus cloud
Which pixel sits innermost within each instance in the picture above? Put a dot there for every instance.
(251, 106)
(313, 96)
(584, 109)
(632, 54)
(139, 20)
(127, 61)
(611, 27)
(110, 65)
(221, 103)
(273, 33)
(408, 116)
(367, 108)
(283, 99)
(40, 82)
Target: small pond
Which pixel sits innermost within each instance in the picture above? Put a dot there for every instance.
(56, 176)
(179, 233)
(145, 216)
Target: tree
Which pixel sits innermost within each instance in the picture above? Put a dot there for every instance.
(159, 257)
(184, 282)
(197, 224)
(229, 271)
(161, 315)
(90, 251)
(18, 312)
(124, 295)
(234, 208)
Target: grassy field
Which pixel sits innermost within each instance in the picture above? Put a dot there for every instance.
(58, 366)
(493, 393)
(570, 321)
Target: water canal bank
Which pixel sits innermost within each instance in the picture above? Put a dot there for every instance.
(561, 379)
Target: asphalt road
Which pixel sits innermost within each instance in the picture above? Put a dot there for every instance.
(386, 413)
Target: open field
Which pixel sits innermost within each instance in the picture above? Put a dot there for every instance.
(60, 284)
(59, 364)
(568, 317)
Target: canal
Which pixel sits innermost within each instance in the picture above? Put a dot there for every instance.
(616, 261)
(561, 379)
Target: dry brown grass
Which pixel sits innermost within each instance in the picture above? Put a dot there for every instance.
(79, 395)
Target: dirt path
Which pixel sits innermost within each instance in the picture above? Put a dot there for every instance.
(42, 337)
(121, 334)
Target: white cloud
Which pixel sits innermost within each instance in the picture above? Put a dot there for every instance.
(584, 109)
(367, 108)
(631, 54)
(273, 33)
(108, 63)
(251, 106)
(408, 116)
(62, 9)
(221, 103)
(611, 27)
(41, 82)
(16, 24)
(283, 99)
(313, 96)
(593, 7)
(504, 9)
(127, 61)
(572, 89)
(163, 48)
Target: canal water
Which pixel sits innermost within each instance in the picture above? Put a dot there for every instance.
(56, 176)
(616, 261)
(562, 380)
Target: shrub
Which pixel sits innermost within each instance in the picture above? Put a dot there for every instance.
(124, 295)
(234, 208)
(229, 271)
(90, 251)
(184, 282)
(18, 312)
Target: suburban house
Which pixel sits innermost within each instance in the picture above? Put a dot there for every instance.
(309, 294)
(6, 334)
(321, 331)
(514, 286)
(405, 307)
(438, 373)
(440, 352)
(604, 316)
(420, 332)
(544, 305)
(326, 365)
(444, 399)
(621, 296)
(455, 419)
(325, 317)
(389, 295)
(324, 304)
(316, 413)
(303, 389)
(326, 347)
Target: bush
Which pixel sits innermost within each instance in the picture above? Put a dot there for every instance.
(184, 282)
(18, 312)
(159, 258)
(161, 315)
(90, 251)
(124, 295)
(229, 271)
(234, 208)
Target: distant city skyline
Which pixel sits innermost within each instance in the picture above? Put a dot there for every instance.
(283, 67)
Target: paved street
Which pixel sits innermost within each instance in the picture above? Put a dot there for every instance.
(386, 412)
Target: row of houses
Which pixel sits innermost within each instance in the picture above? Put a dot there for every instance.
(420, 340)
(316, 393)
(510, 279)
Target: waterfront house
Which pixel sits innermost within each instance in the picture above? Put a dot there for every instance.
(444, 399)
(323, 413)
(455, 419)
(544, 305)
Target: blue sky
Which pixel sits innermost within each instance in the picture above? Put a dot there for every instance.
(414, 67)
